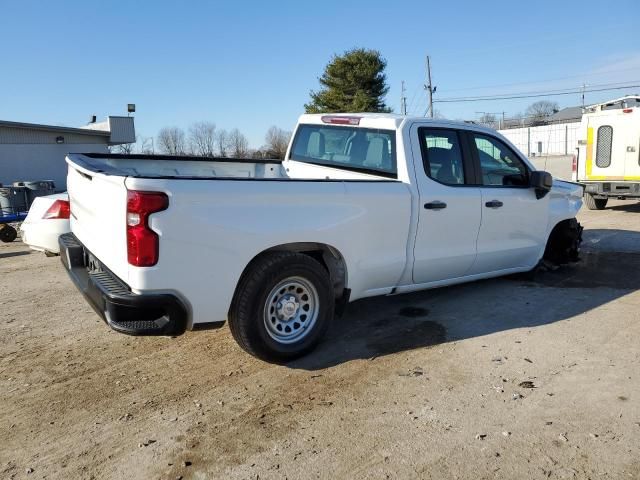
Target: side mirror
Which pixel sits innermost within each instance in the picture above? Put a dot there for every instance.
(542, 182)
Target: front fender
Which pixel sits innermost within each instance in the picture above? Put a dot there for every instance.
(564, 203)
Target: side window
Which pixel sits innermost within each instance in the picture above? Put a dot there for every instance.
(499, 165)
(603, 146)
(442, 155)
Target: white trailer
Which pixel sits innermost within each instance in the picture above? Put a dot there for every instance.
(608, 159)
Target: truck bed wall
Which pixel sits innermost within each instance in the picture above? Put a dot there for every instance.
(214, 228)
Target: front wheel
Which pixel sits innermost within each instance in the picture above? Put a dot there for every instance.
(282, 307)
(594, 203)
(563, 245)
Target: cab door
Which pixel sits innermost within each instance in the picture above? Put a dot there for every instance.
(514, 220)
(449, 209)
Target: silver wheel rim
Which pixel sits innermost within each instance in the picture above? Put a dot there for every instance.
(291, 310)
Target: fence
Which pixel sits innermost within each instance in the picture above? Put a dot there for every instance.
(556, 139)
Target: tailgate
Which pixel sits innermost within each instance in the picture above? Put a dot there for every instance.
(98, 215)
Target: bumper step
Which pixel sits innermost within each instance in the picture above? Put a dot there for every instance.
(123, 310)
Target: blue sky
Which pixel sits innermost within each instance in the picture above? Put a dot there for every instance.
(251, 65)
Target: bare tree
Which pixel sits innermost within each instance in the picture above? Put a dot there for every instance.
(147, 146)
(488, 119)
(222, 143)
(171, 140)
(277, 141)
(125, 148)
(539, 111)
(238, 144)
(202, 139)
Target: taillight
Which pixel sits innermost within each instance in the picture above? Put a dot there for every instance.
(574, 163)
(340, 120)
(58, 210)
(142, 242)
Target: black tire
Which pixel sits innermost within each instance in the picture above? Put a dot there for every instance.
(8, 234)
(248, 308)
(564, 242)
(593, 203)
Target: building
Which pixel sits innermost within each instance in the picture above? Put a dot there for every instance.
(29, 151)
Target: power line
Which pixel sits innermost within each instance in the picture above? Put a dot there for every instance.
(536, 82)
(531, 95)
(547, 92)
(417, 90)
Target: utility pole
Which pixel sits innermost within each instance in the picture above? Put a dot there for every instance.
(583, 87)
(403, 101)
(429, 87)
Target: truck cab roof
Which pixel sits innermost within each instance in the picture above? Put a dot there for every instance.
(386, 121)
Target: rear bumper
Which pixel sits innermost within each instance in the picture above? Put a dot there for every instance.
(43, 236)
(613, 189)
(123, 310)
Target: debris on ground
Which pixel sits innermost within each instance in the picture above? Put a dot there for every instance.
(527, 384)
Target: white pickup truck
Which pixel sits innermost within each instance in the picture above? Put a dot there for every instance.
(362, 205)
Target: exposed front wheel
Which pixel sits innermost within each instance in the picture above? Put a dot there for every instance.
(564, 242)
(593, 203)
(282, 306)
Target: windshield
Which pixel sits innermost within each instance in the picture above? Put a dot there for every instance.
(359, 149)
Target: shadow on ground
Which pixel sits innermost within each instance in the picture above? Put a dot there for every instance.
(632, 206)
(385, 325)
(13, 254)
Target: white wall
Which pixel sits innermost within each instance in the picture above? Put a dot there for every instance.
(40, 161)
(559, 139)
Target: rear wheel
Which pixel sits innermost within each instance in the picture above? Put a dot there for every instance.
(8, 233)
(282, 306)
(593, 203)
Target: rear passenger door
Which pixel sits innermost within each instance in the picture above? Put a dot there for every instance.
(449, 209)
(514, 221)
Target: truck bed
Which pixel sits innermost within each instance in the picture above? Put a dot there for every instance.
(173, 166)
(224, 212)
(211, 168)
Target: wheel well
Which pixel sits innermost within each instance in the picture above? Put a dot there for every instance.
(563, 241)
(329, 257)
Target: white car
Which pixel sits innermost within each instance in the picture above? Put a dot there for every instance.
(362, 205)
(48, 218)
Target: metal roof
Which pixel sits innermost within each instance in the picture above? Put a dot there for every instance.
(566, 115)
(55, 128)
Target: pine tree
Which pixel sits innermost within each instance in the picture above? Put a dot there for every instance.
(352, 82)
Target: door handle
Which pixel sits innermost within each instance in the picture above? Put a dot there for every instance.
(494, 204)
(435, 205)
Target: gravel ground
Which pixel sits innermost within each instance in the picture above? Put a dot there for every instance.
(507, 378)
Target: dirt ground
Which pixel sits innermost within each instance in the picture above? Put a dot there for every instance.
(507, 378)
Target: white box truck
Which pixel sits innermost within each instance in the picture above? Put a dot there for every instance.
(608, 159)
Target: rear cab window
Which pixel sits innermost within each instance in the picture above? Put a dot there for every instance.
(365, 150)
(442, 156)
